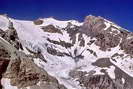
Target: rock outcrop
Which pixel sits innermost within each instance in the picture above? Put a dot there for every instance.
(3, 66)
(25, 73)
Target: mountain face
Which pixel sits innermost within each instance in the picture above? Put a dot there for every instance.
(52, 54)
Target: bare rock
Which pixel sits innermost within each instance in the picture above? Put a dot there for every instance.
(38, 22)
(24, 73)
(51, 29)
(3, 66)
(3, 52)
(127, 45)
(93, 25)
(102, 62)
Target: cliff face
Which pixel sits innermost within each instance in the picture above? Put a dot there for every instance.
(52, 54)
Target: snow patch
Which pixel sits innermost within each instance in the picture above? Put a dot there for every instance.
(6, 84)
(123, 80)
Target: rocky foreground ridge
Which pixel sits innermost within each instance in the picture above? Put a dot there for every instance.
(52, 54)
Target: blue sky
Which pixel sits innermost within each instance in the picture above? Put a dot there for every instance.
(118, 11)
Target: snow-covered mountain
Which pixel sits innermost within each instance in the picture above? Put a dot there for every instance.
(52, 54)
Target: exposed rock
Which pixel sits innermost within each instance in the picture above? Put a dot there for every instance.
(90, 42)
(62, 43)
(127, 45)
(2, 33)
(90, 81)
(3, 52)
(11, 36)
(81, 40)
(24, 73)
(94, 27)
(3, 66)
(116, 55)
(102, 62)
(38, 22)
(72, 32)
(98, 82)
(94, 81)
(107, 40)
(51, 51)
(92, 52)
(51, 29)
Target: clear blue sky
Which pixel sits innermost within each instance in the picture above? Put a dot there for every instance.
(118, 11)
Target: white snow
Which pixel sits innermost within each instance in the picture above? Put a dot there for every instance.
(25, 50)
(110, 72)
(57, 23)
(107, 25)
(112, 24)
(3, 22)
(123, 80)
(6, 84)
